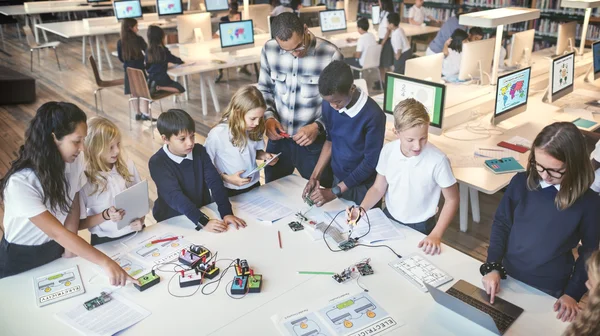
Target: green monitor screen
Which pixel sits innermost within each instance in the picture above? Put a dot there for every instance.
(430, 94)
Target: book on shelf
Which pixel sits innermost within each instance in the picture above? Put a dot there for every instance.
(496, 3)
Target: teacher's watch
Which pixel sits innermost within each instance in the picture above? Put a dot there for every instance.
(337, 191)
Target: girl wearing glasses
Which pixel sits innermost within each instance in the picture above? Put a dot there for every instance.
(544, 214)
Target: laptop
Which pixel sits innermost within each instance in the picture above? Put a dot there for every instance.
(473, 303)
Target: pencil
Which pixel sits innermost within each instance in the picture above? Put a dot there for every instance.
(492, 149)
(316, 273)
(279, 237)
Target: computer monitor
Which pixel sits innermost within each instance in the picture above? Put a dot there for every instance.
(562, 74)
(216, 5)
(310, 15)
(512, 91)
(375, 14)
(430, 94)
(236, 35)
(169, 7)
(476, 60)
(186, 24)
(521, 47)
(127, 9)
(271, 18)
(427, 68)
(332, 21)
(596, 56)
(566, 37)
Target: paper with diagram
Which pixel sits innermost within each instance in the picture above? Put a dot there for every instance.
(58, 286)
(262, 208)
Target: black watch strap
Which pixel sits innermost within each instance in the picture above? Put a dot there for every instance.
(202, 221)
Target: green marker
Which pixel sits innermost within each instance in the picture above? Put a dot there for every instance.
(316, 273)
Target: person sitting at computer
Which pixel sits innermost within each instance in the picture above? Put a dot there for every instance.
(365, 41)
(278, 8)
(475, 34)
(453, 54)
(544, 214)
(417, 14)
(233, 15)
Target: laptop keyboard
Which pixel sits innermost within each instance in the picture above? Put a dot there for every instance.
(502, 320)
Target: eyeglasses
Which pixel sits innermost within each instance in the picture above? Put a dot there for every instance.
(552, 172)
(302, 46)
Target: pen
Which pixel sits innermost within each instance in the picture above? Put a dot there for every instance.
(492, 149)
(316, 273)
(163, 240)
(279, 237)
(484, 156)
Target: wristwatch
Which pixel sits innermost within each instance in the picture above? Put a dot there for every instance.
(202, 221)
(337, 191)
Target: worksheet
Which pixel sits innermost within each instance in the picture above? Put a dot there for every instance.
(58, 286)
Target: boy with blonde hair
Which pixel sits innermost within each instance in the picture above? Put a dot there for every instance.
(410, 174)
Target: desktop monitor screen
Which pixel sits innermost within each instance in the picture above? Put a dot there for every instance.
(512, 91)
(169, 7)
(475, 54)
(128, 9)
(561, 76)
(236, 34)
(522, 45)
(566, 37)
(427, 68)
(332, 20)
(596, 57)
(216, 5)
(375, 14)
(430, 94)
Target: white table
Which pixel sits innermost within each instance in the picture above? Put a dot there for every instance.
(283, 289)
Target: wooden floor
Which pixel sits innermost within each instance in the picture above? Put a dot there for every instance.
(75, 83)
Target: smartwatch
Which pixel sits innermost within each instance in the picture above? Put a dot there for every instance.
(337, 191)
(202, 221)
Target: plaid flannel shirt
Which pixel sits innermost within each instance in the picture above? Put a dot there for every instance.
(290, 85)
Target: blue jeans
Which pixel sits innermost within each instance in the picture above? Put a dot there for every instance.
(293, 156)
(424, 227)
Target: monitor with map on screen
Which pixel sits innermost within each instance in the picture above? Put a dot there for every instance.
(236, 35)
(512, 91)
(127, 9)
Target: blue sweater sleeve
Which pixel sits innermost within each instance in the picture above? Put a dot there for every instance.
(215, 184)
(503, 219)
(172, 58)
(169, 190)
(325, 118)
(120, 51)
(374, 136)
(589, 231)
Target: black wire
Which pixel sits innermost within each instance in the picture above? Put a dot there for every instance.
(218, 281)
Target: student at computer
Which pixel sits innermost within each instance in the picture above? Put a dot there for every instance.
(386, 60)
(355, 130)
(158, 58)
(108, 174)
(236, 142)
(475, 34)
(587, 322)
(400, 45)
(184, 174)
(41, 200)
(233, 16)
(543, 215)
(417, 14)
(278, 8)
(364, 42)
(411, 173)
(453, 54)
(130, 50)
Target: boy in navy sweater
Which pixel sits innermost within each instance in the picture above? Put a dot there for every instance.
(355, 127)
(184, 173)
(543, 215)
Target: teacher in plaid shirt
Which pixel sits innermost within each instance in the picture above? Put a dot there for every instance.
(290, 66)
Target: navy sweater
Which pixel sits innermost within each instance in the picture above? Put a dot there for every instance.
(183, 188)
(533, 239)
(158, 71)
(134, 63)
(355, 142)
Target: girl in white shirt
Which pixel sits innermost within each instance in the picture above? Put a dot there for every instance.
(453, 54)
(40, 194)
(237, 142)
(411, 173)
(108, 174)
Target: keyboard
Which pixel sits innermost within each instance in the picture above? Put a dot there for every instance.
(417, 270)
(502, 320)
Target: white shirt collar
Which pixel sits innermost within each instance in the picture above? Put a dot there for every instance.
(545, 185)
(176, 158)
(360, 103)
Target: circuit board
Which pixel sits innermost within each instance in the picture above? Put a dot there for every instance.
(98, 301)
(296, 226)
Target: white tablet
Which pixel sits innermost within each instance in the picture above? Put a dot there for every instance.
(134, 200)
(260, 166)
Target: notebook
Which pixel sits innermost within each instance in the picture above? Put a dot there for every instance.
(504, 165)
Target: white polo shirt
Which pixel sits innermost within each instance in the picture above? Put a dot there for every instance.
(596, 156)
(417, 14)
(229, 159)
(399, 41)
(23, 199)
(451, 64)
(365, 41)
(383, 24)
(414, 183)
(96, 202)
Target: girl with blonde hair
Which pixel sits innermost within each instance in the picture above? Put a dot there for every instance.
(237, 142)
(544, 214)
(108, 174)
(588, 321)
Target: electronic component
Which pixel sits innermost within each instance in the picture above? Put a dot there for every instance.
(242, 267)
(190, 259)
(239, 285)
(296, 226)
(199, 250)
(147, 281)
(97, 301)
(254, 283)
(332, 232)
(344, 276)
(190, 278)
(209, 269)
(301, 217)
(348, 244)
(364, 268)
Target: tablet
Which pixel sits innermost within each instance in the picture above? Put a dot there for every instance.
(260, 166)
(134, 200)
